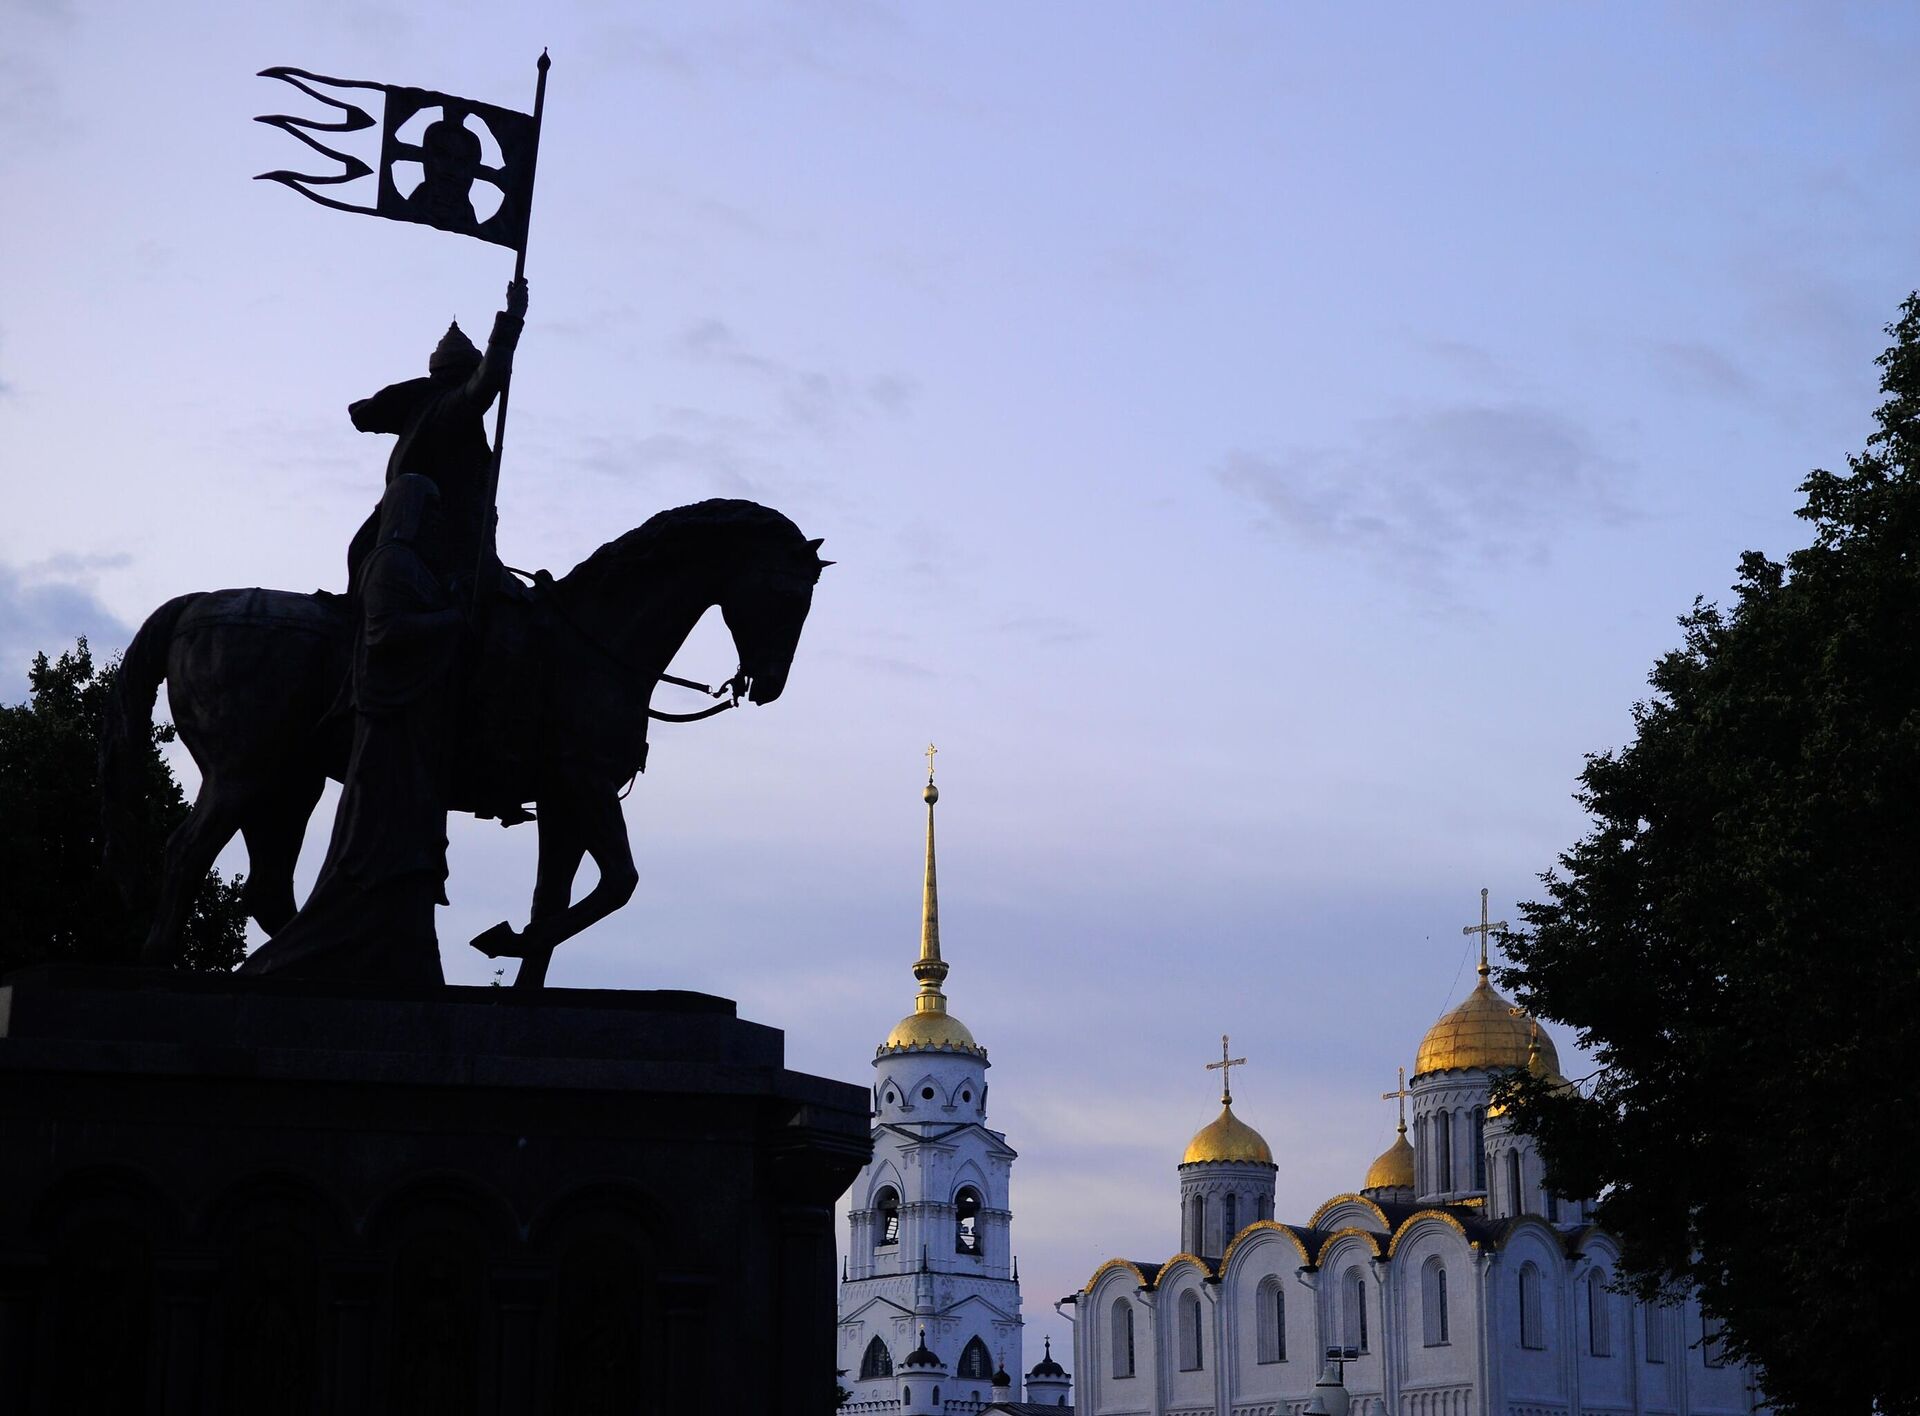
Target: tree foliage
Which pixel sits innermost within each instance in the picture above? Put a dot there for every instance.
(1738, 940)
(56, 902)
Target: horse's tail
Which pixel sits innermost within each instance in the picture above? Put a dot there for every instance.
(123, 740)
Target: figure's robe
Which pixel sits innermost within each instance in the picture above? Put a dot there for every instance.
(370, 916)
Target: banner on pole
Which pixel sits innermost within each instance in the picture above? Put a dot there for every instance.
(432, 156)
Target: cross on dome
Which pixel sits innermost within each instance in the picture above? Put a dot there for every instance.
(1401, 1094)
(1483, 929)
(1225, 1068)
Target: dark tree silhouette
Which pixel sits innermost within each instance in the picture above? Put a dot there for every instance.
(1738, 940)
(57, 903)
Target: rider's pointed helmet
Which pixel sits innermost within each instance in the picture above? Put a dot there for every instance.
(454, 352)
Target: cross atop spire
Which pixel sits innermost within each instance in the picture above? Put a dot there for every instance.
(1225, 1068)
(931, 750)
(1483, 929)
(1401, 1093)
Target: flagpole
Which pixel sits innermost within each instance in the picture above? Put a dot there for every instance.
(506, 384)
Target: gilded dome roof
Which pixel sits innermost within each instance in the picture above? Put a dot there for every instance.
(1227, 1137)
(1483, 1031)
(1539, 1051)
(1393, 1170)
(931, 1032)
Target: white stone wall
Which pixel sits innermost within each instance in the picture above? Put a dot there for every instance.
(1480, 1370)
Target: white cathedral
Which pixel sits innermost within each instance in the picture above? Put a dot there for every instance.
(1451, 1283)
(930, 1298)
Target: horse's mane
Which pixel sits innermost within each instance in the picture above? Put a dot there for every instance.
(673, 533)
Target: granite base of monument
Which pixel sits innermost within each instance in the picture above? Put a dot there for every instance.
(226, 1196)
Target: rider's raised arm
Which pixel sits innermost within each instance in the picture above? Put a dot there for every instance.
(497, 363)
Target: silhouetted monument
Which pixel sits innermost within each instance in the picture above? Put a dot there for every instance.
(332, 1183)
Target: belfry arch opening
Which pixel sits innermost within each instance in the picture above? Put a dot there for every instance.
(966, 1221)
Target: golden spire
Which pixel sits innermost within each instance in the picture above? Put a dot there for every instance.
(930, 969)
(930, 1027)
(1483, 929)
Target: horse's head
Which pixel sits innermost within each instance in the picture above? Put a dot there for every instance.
(657, 580)
(765, 602)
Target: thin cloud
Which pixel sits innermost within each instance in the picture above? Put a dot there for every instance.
(1420, 493)
(1701, 368)
(811, 398)
(1051, 631)
(709, 461)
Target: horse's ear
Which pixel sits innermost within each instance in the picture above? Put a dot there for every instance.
(814, 544)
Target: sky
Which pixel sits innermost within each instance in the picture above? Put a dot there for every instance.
(1264, 446)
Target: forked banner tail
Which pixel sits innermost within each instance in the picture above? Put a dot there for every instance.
(435, 149)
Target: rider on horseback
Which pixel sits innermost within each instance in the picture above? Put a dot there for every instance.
(440, 421)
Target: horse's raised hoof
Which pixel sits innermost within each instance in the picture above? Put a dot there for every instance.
(499, 942)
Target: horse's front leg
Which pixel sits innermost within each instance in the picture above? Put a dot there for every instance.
(561, 849)
(590, 824)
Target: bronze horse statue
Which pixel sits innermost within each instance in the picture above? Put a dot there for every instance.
(555, 715)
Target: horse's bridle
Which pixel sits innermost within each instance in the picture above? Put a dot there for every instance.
(734, 687)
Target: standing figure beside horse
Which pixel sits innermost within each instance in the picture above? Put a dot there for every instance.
(371, 910)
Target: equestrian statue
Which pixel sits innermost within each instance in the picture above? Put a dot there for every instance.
(439, 682)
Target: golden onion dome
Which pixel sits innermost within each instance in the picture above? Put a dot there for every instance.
(1484, 1031)
(1539, 1048)
(934, 1031)
(1227, 1138)
(1393, 1170)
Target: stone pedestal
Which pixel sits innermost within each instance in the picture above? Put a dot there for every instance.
(222, 1195)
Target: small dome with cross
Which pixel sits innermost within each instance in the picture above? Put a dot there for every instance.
(1227, 1138)
(1484, 1031)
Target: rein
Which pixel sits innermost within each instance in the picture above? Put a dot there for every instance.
(543, 581)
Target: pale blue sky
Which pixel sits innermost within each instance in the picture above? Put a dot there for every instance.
(1265, 446)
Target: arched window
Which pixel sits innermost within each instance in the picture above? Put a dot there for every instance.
(876, 1361)
(886, 1218)
(1190, 1331)
(1656, 1332)
(1533, 1332)
(906, 1396)
(1422, 1156)
(1599, 1316)
(1353, 1310)
(974, 1361)
(1229, 1221)
(1443, 1151)
(1480, 1148)
(1271, 1314)
(1433, 1303)
(1122, 1338)
(1550, 1202)
(966, 1215)
(1515, 1195)
(1197, 1237)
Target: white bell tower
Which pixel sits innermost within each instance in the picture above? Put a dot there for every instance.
(930, 1259)
(929, 1263)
